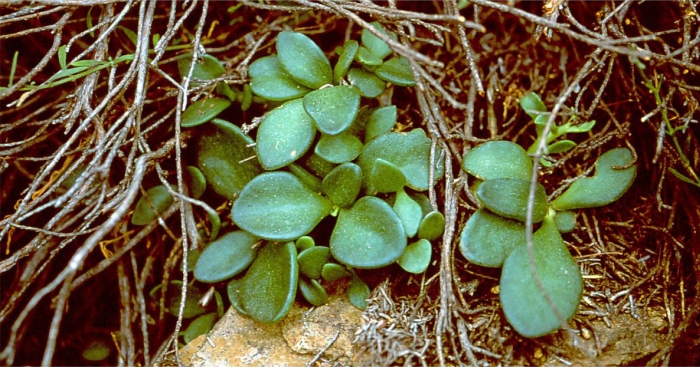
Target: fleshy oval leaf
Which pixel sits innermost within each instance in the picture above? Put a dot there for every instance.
(347, 55)
(409, 212)
(303, 60)
(523, 303)
(487, 239)
(367, 58)
(498, 159)
(432, 226)
(380, 122)
(332, 272)
(225, 257)
(358, 292)
(396, 70)
(284, 135)
(607, 185)
(203, 111)
(313, 292)
(385, 177)
(368, 235)
(304, 242)
(343, 184)
(269, 287)
(308, 178)
(159, 197)
(312, 259)
(277, 206)
(508, 198)
(333, 108)
(410, 152)
(531, 103)
(206, 68)
(417, 257)
(268, 65)
(199, 326)
(370, 85)
(566, 221)
(223, 156)
(560, 147)
(339, 148)
(277, 87)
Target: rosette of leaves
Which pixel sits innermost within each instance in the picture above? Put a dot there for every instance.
(494, 235)
(535, 108)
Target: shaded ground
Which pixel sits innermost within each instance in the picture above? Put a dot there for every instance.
(631, 67)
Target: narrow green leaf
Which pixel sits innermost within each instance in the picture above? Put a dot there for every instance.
(530, 103)
(584, 127)
(560, 147)
(61, 58)
(131, 35)
(13, 69)
(347, 55)
(278, 207)
(284, 135)
(303, 60)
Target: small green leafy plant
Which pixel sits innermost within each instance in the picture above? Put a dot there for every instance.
(324, 155)
(494, 235)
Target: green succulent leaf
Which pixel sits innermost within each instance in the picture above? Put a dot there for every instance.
(215, 225)
(312, 259)
(203, 110)
(566, 221)
(424, 203)
(332, 272)
(358, 292)
(409, 212)
(223, 153)
(339, 148)
(199, 326)
(560, 147)
(432, 226)
(268, 289)
(277, 206)
(417, 257)
(607, 185)
(333, 108)
(523, 304)
(410, 152)
(385, 177)
(508, 198)
(246, 97)
(284, 135)
(368, 235)
(487, 239)
(396, 70)
(498, 159)
(303, 60)
(195, 181)
(233, 290)
(530, 103)
(347, 55)
(317, 165)
(96, 350)
(304, 242)
(370, 85)
(206, 68)
(277, 87)
(381, 121)
(308, 178)
(159, 197)
(374, 44)
(268, 65)
(173, 296)
(367, 58)
(584, 127)
(313, 292)
(343, 184)
(225, 257)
